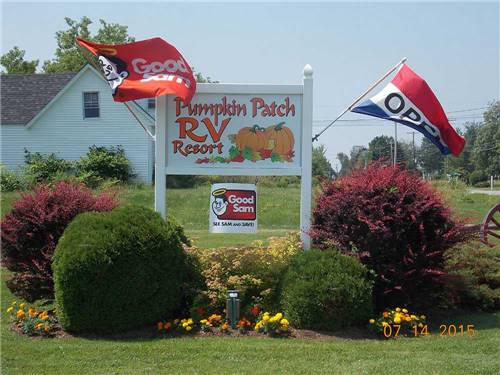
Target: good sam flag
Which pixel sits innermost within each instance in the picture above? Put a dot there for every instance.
(408, 100)
(144, 69)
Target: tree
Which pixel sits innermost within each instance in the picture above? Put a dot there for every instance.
(345, 163)
(13, 61)
(485, 153)
(463, 163)
(430, 158)
(380, 148)
(68, 55)
(321, 167)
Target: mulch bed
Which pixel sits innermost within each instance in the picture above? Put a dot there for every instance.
(150, 332)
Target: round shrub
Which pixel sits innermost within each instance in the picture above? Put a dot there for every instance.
(477, 177)
(102, 163)
(326, 290)
(121, 269)
(397, 225)
(30, 233)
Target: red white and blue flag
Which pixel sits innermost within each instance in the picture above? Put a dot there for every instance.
(409, 100)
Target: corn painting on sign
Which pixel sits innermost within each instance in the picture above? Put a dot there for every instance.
(233, 208)
(220, 131)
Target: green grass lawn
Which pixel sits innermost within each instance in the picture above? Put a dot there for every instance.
(278, 211)
(251, 355)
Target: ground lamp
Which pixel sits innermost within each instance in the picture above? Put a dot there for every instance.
(233, 307)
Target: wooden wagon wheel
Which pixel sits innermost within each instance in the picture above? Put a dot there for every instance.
(491, 225)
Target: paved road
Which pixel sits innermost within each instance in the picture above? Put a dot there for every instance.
(481, 191)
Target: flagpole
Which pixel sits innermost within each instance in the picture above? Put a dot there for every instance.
(315, 138)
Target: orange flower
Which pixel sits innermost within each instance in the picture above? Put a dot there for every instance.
(386, 314)
(20, 314)
(167, 326)
(160, 326)
(32, 312)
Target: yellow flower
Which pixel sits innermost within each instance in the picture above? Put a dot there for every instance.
(10, 309)
(279, 316)
(413, 317)
(284, 322)
(14, 303)
(190, 321)
(398, 309)
(20, 314)
(265, 318)
(22, 305)
(203, 321)
(397, 320)
(184, 325)
(372, 321)
(405, 311)
(408, 319)
(422, 317)
(189, 328)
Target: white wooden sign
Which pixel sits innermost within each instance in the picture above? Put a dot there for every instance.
(233, 208)
(239, 130)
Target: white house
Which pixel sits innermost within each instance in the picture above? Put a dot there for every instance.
(66, 113)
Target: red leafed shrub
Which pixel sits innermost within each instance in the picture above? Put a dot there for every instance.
(31, 230)
(396, 224)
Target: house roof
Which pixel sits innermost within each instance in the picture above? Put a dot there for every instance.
(23, 96)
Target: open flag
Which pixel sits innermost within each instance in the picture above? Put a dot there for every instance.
(143, 69)
(408, 100)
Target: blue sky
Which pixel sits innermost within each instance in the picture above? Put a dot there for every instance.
(454, 46)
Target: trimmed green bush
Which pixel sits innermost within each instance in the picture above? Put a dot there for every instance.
(326, 290)
(121, 269)
(477, 177)
(475, 275)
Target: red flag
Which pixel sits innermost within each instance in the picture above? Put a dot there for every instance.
(144, 69)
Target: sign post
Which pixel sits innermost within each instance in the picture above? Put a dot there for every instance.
(238, 130)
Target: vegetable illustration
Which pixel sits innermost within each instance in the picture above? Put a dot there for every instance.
(251, 137)
(280, 139)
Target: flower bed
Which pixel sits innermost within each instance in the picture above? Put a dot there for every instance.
(32, 322)
(267, 324)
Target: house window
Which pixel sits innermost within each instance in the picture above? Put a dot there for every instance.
(151, 103)
(90, 104)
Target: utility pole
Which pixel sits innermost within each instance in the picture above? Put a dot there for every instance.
(413, 148)
(395, 143)
(392, 158)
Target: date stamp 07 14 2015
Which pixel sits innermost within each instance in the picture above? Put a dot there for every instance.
(445, 330)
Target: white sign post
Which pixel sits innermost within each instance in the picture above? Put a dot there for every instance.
(238, 130)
